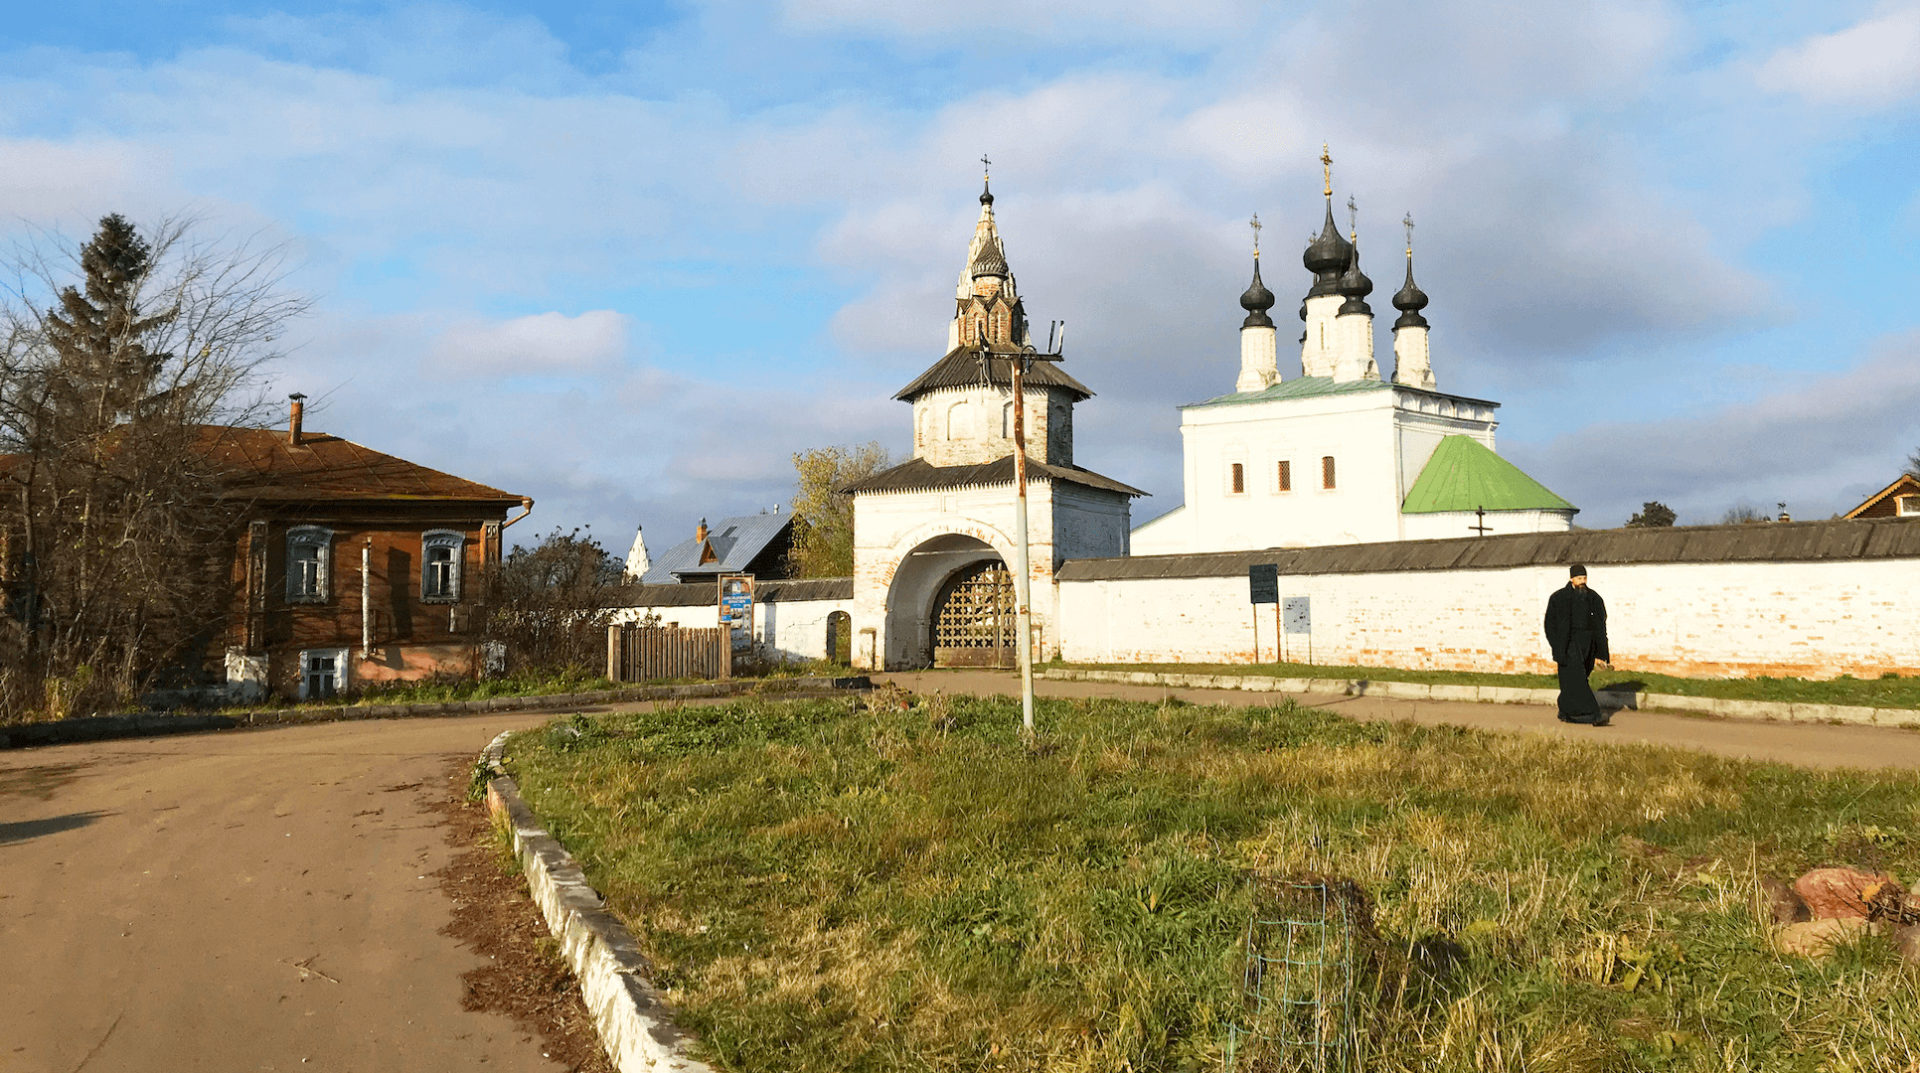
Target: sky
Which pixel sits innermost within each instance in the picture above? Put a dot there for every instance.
(627, 259)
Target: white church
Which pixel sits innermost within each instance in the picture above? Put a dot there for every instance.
(1338, 455)
(1378, 499)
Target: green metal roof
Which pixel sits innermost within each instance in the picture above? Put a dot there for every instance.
(1466, 475)
(1301, 387)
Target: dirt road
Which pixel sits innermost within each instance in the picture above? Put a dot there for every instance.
(259, 900)
(1806, 744)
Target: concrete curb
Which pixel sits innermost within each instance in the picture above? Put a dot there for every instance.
(147, 724)
(635, 1023)
(1769, 711)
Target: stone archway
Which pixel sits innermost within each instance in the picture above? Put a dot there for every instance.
(973, 621)
(935, 572)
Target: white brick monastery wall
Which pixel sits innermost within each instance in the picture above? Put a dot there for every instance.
(1815, 619)
(783, 630)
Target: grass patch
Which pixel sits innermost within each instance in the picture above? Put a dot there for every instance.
(1887, 691)
(825, 887)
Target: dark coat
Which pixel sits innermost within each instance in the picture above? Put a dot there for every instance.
(1577, 625)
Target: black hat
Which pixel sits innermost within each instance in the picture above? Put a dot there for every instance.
(1576, 570)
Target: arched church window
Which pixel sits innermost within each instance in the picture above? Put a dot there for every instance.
(1006, 421)
(1326, 471)
(926, 424)
(957, 421)
(1284, 477)
(1238, 478)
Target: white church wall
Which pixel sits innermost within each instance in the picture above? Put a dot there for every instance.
(1815, 619)
(787, 631)
(1441, 525)
(1354, 429)
(967, 426)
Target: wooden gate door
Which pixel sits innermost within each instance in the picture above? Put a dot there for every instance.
(973, 620)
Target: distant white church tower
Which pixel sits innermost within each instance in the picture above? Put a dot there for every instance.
(1338, 455)
(933, 536)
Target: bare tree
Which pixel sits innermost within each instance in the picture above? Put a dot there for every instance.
(1913, 464)
(550, 604)
(122, 364)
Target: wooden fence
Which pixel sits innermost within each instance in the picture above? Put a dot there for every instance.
(649, 653)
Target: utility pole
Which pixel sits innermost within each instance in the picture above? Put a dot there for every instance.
(1022, 359)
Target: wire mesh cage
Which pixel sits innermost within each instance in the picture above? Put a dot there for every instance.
(1298, 1010)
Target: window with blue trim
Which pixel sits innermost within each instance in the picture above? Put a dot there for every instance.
(440, 561)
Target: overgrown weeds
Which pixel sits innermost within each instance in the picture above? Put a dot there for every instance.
(834, 886)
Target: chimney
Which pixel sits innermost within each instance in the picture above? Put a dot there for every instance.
(293, 418)
(700, 534)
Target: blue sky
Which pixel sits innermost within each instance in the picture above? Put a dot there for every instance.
(627, 259)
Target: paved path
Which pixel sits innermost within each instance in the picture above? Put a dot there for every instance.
(1806, 744)
(258, 900)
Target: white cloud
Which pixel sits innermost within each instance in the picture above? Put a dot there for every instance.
(1058, 20)
(543, 344)
(1821, 445)
(1873, 63)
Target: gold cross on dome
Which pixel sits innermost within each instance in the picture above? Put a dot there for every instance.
(1353, 219)
(986, 166)
(1408, 221)
(1326, 170)
(1255, 224)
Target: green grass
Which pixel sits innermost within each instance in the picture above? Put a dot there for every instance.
(825, 887)
(1888, 691)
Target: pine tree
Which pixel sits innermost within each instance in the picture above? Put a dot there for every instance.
(103, 369)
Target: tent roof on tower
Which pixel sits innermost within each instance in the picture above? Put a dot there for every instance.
(1465, 475)
(919, 475)
(961, 368)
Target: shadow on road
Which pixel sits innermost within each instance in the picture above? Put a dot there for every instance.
(52, 825)
(38, 781)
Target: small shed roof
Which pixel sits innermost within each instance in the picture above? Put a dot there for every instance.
(1465, 475)
(734, 543)
(694, 594)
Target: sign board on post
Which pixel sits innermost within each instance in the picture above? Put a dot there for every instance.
(736, 601)
(1299, 614)
(1263, 584)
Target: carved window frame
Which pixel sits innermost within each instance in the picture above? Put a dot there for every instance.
(314, 586)
(440, 580)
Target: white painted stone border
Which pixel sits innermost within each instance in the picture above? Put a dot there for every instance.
(1770, 711)
(635, 1023)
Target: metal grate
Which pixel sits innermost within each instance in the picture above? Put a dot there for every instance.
(973, 624)
(1299, 982)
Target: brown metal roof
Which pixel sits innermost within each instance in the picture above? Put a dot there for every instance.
(919, 475)
(327, 467)
(961, 368)
(707, 593)
(1771, 542)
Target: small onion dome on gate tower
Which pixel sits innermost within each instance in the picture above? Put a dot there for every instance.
(1410, 300)
(1257, 300)
(1355, 285)
(1327, 257)
(992, 260)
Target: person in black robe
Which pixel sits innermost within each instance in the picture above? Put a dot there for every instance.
(1577, 632)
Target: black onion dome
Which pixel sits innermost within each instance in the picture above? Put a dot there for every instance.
(1327, 257)
(1256, 301)
(1356, 286)
(1410, 300)
(992, 261)
(986, 193)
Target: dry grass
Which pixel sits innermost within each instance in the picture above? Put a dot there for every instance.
(829, 888)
